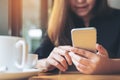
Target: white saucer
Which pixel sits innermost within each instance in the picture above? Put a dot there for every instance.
(20, 75)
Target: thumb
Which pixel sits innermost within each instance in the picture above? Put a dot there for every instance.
(101, 50)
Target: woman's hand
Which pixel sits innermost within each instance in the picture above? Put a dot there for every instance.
(91, 63)
(60, 58)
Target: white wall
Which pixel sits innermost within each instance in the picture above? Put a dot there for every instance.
(114, 3)
(3, 17)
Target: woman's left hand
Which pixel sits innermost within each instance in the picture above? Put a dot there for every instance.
(91, 63)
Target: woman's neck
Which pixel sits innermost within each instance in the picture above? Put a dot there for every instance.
(86, 20)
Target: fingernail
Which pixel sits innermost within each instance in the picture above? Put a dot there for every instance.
(70, 64)
(64, 70)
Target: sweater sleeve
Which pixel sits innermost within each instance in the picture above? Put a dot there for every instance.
(45, 48)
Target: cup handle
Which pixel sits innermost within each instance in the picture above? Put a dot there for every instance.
(24, 52)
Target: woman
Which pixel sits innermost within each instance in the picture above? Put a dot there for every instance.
(56, 51)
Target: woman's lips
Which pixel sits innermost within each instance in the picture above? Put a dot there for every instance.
(81, 8)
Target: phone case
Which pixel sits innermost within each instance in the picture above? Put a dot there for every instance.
(84, 38)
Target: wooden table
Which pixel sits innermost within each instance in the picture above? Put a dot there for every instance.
(75, 76)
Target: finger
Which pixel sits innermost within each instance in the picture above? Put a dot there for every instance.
(75, 62)
(83, 69)
(84, 53)
(61, 60)
(56, 64)
(80, 59)
(65, 54)
(67, 48)
(68, 58)
(80, 67)
(101, 50)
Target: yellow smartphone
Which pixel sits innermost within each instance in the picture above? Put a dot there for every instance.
(84, 38)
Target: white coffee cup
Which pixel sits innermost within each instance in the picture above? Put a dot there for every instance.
(31, 61)
(13, 53)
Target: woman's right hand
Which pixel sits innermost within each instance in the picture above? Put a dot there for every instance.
(60, 58)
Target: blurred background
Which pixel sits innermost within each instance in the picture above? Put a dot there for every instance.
(29, 19)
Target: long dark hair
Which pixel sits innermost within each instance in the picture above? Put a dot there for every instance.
(102, 8)
(61, 21)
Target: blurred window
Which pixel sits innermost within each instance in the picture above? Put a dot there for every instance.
(35, 19)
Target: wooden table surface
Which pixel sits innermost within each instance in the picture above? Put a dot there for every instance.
(75, 76)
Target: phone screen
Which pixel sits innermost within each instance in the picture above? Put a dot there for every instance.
(84, 38)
